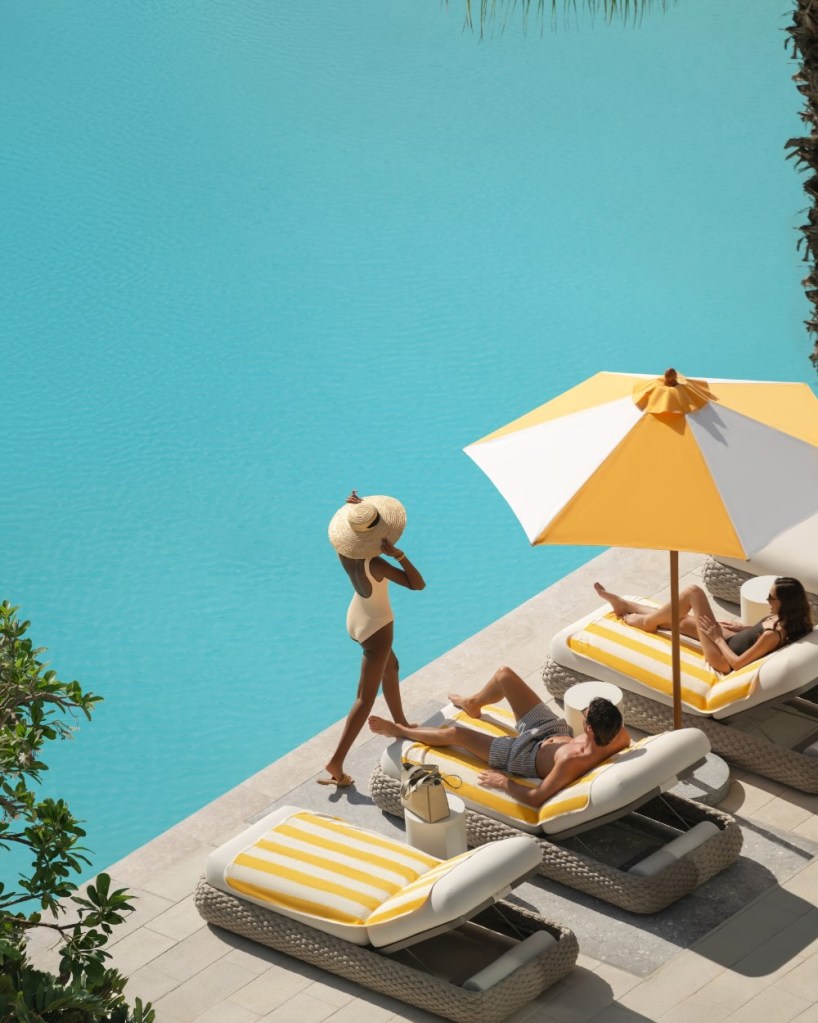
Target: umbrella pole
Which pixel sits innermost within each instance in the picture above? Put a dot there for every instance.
(675, 641)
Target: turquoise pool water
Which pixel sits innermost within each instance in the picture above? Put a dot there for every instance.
(255, 254)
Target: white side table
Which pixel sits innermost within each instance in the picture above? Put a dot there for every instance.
(754, 603)
(443, 839)
(578, 696)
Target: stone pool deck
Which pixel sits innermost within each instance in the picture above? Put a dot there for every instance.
(744, 948)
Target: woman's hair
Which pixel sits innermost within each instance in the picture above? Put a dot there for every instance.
(605, 720)
(793, 611)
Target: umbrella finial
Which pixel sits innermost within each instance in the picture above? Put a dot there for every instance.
(671, 394)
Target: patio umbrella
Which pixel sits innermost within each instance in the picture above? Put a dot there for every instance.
(668, 463)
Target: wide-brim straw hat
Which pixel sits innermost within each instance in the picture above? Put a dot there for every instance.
(356, 530)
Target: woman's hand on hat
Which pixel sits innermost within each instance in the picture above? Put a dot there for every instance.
(391, 550)
(353, 498)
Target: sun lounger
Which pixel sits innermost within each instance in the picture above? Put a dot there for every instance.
(756, 718)
(435, 933)
(793, 553)
(658, 847)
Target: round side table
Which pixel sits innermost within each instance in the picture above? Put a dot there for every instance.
(754, 603)
(578, 696)
(443, 839)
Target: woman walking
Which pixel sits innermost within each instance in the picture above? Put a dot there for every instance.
(361, 531)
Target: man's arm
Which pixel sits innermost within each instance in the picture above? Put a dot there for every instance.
(560, 775)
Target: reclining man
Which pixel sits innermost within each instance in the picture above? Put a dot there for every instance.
(543, 747)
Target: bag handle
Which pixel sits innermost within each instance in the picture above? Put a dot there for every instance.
(416, 773)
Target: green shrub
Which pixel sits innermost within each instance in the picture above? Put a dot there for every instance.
(36, 708)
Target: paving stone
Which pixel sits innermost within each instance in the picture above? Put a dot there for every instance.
(775, 1003)
(139, 948)
(695, 1008)
(302, 1008)
(271, 989)
(227, 1012)
(149, 983)
(197, 995)
(179, 921)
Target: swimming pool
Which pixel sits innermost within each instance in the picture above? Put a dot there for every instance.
(258, 254)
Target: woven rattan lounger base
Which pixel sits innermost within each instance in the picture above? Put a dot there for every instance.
(746, 750)
(725, 582)
(416, 975)
(568, 866)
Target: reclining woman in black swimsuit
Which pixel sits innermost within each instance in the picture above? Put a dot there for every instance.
(726, 645)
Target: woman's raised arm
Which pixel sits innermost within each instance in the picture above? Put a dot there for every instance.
(405, 575)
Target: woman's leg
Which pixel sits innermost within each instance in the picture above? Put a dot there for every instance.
(693, 605)
(391, 689)
(620, 606)
(700, 608)
(650, 619)
(376, 651)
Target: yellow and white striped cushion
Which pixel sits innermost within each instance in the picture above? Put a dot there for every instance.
(319, 867)
(646, 657)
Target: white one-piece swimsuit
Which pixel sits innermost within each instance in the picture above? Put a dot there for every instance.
(366, 615)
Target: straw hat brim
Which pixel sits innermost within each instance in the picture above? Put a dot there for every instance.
(367, 544)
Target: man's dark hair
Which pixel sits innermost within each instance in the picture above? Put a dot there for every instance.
(604, 719)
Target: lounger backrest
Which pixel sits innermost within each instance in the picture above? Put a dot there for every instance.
(323, 871)
(453, 890)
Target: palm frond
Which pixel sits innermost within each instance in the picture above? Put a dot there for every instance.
(483, 13)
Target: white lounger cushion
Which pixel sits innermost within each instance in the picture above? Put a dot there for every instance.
(793, 553)
(359, 885)
(647, 766)
(604, 647)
